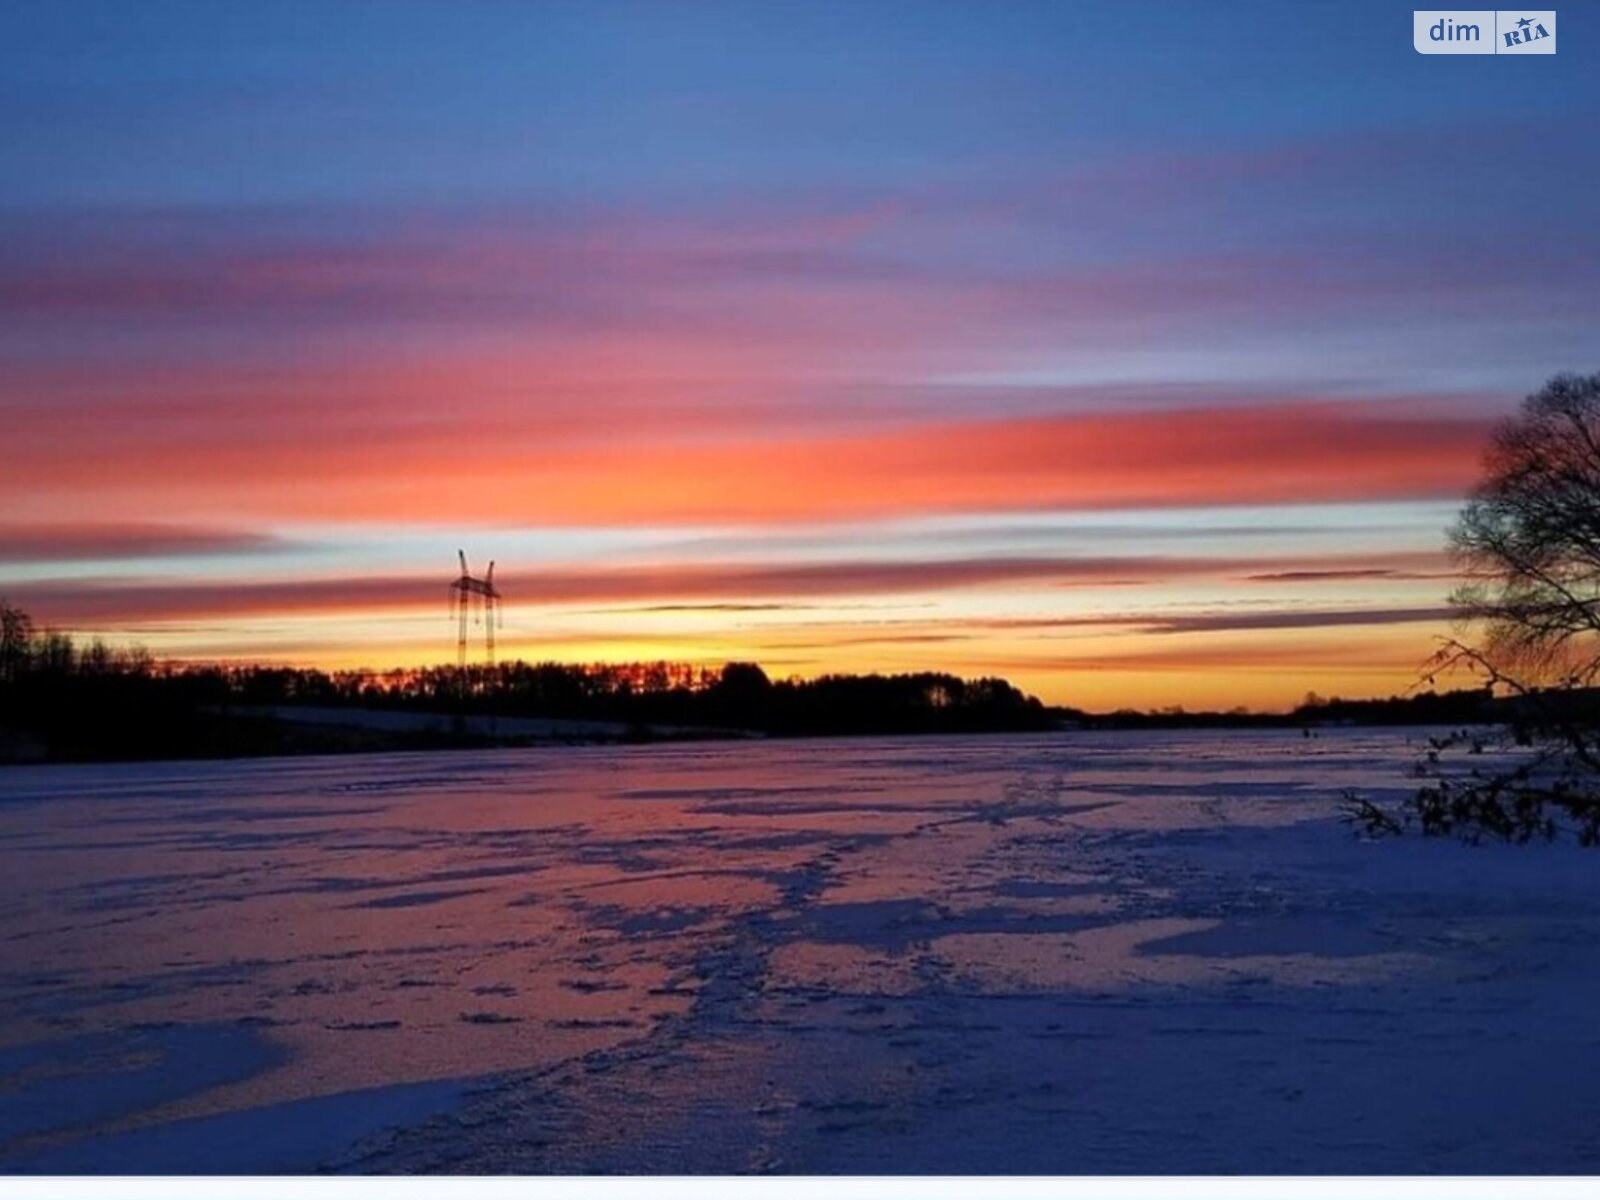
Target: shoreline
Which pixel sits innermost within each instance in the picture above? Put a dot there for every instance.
(575, 733)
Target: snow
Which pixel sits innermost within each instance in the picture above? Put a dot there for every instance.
(1117, 952)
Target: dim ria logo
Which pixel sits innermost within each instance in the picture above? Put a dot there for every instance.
(1484, 31)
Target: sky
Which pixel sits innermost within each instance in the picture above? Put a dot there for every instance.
(1138, 353)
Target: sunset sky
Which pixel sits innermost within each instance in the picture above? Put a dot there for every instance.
(1139, 353)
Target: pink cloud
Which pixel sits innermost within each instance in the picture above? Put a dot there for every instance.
(132, 601)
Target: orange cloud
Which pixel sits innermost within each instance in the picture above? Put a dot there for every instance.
(494, 470)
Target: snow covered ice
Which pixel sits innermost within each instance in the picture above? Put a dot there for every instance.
(1116, 952)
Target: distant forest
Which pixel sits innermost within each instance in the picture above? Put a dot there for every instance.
(63, 701)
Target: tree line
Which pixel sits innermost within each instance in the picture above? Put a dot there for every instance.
(60, 699)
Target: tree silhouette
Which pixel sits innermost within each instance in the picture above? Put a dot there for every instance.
(1529, 538)
(1528, 541)
(16, 640)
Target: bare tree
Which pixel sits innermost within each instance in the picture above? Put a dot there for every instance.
(1528, 541)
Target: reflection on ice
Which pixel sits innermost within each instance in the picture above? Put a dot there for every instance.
(1110, 952)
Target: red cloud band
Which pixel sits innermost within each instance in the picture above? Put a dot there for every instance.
(1285, 453)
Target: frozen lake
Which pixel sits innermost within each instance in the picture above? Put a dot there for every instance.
(1068, 953)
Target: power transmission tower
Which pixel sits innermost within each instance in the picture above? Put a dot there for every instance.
(462, 592)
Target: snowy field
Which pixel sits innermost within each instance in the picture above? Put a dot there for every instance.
(1070, 953)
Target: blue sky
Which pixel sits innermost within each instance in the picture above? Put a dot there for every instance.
(402, 103)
